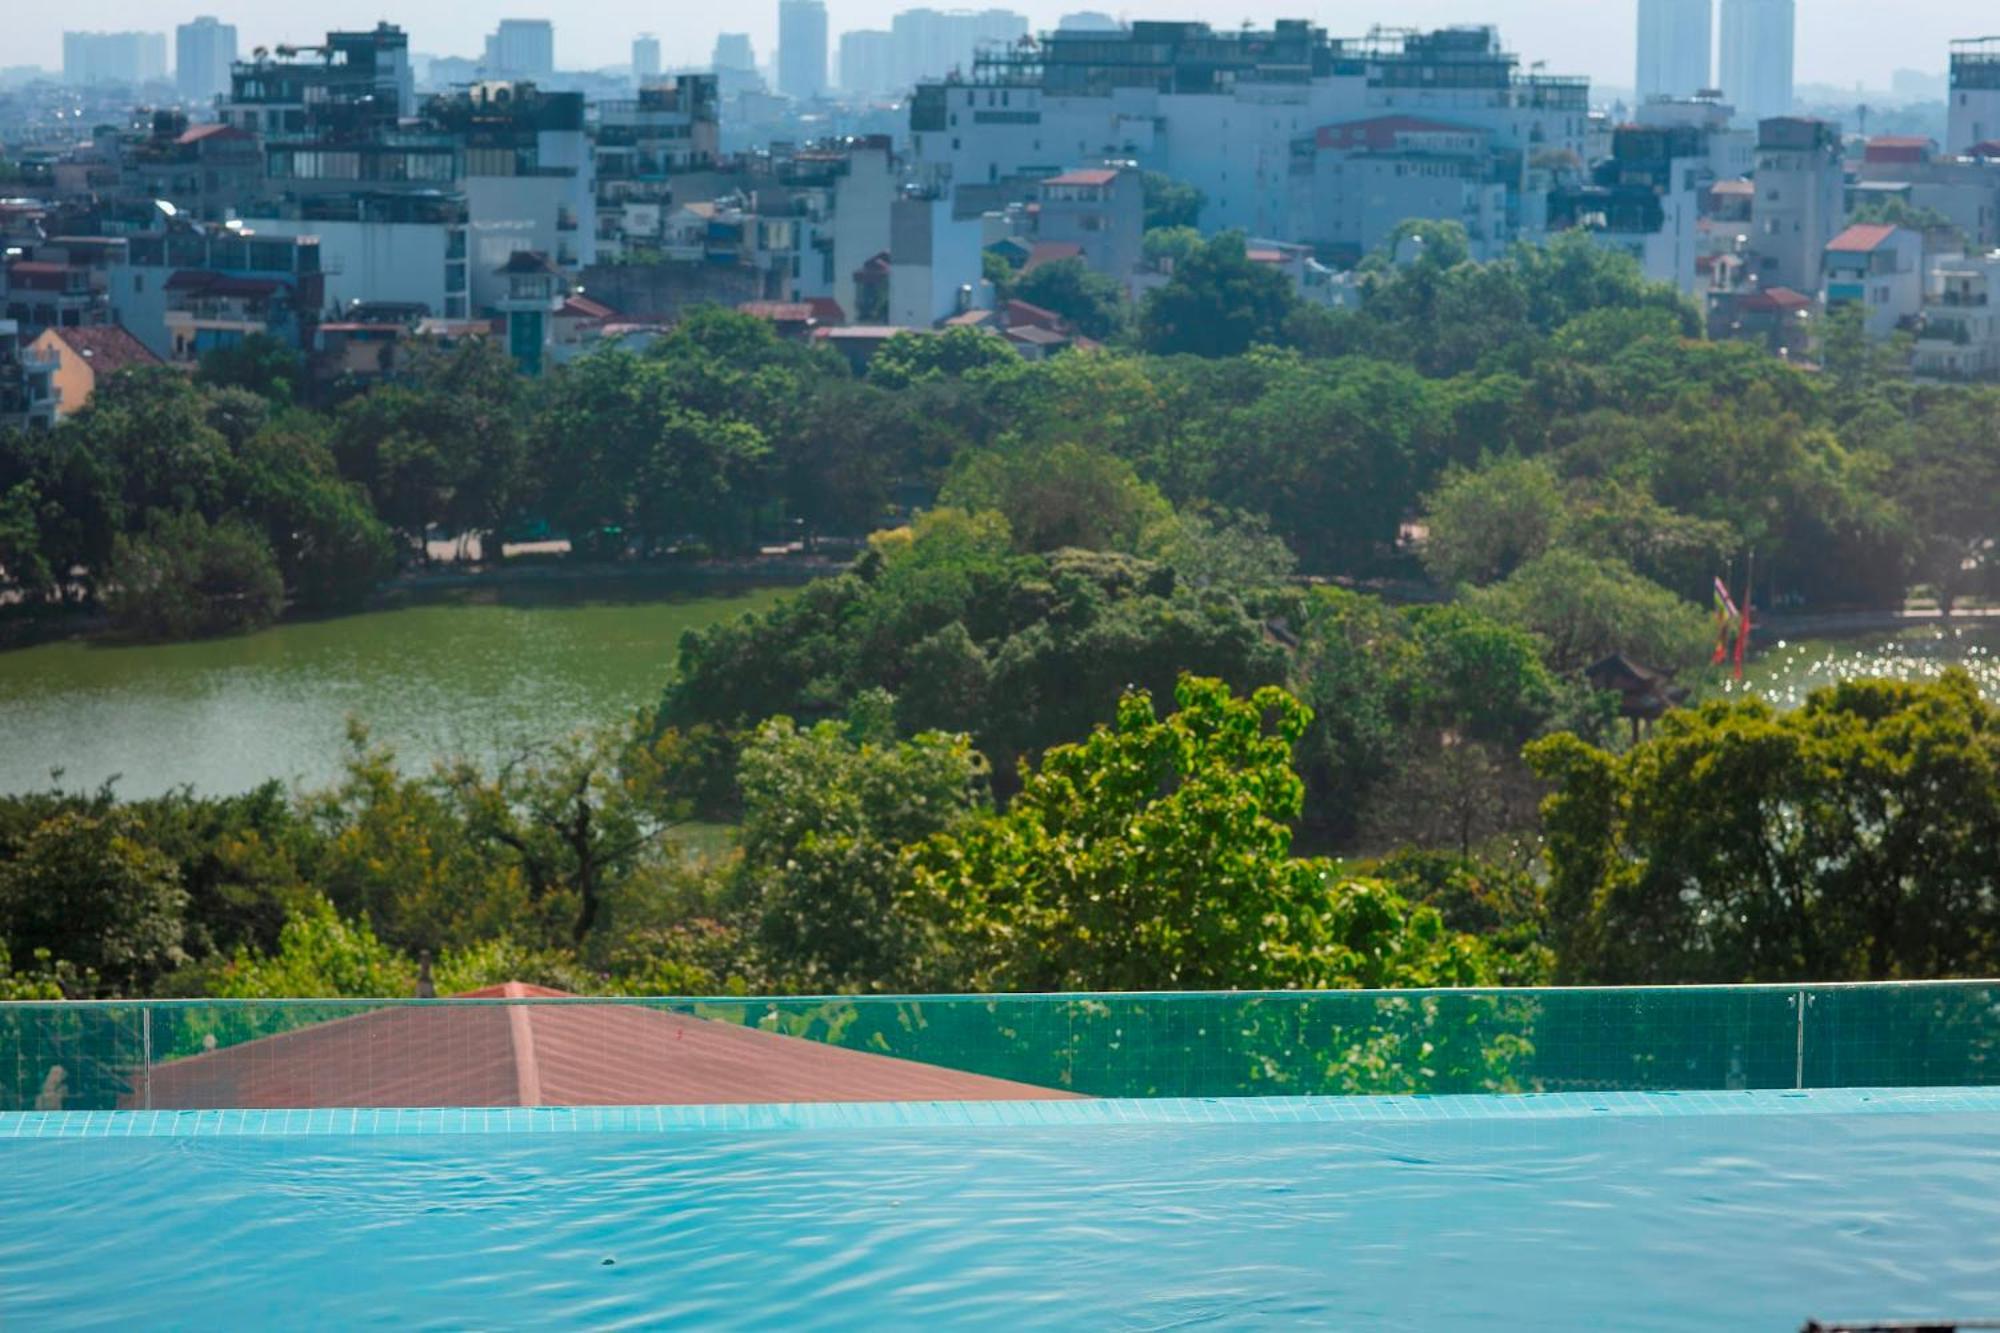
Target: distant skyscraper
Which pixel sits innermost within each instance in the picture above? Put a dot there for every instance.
(522, 48)
(646, 57)
(203, 52)
(931, 44)
(114, 57)
(801, 48)
(867, 62)
(1756, 64)
(1675, 42)
(733, 52)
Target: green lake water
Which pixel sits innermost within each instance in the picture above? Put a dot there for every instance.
(478, 679)
(484, 679)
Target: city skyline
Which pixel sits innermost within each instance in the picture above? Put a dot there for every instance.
(1594, 38)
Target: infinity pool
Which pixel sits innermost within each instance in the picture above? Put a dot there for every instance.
(1703, 1210)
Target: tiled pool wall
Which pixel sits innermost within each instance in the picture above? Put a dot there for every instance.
(998, 1115)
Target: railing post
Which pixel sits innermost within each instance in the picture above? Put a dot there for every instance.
(146, 1048)
(1799, 1051)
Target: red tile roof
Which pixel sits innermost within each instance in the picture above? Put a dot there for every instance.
(1776, 299)
(826, 310)
(779, 312)
(1091, 176)
(1861, 238)
(570, 1054)
(582, 307)
(108, 348)
(1898, 148)
(196, 133)
(1049, 252)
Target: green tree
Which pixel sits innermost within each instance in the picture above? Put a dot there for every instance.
(1219, 302)
(85, 888)
(1059, 495)
(1094, 303)
(826, 820)
(1849, 840)
(1582, 609)
(1170, 203)
(1484, 524)
(912, 358)
(185, 578)
(1156, 855)
(266, 366)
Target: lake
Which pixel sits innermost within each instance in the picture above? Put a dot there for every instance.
(485, 679)
(477, 678)
(1786, 671)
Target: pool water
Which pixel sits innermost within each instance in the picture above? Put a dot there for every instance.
(1643, 1214)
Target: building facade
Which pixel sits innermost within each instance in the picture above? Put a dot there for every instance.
(1974, 113)
(1800, 204)
(127, 59)
(1227, 111)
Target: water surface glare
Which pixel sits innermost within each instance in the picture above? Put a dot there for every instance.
(1632, 1223)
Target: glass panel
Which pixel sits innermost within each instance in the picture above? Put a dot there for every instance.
(501, 1051)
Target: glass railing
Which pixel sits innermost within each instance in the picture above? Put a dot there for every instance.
(569, 1051)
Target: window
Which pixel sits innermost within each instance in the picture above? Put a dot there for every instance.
(138, 282)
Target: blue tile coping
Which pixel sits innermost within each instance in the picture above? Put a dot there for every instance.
(997, 1115)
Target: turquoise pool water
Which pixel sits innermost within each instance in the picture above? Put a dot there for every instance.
(1626, 1211)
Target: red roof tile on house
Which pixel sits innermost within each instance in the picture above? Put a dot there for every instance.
(1091, 176)
(582, 307)
(196, 133)
(570, 1054)
(1776, 299)
(1025, 312)
(1049, 252)
(779, 312)
(826, 310)
(1861, 238)
(108, 348)
(1898, 148)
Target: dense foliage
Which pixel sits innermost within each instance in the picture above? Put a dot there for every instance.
(1073, 717)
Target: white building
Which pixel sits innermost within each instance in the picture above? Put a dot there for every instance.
(1101, 211)
(521, 49)
(1881, 269)
(1974, 115)
(863, 205)
(1959, 338)
(1676, 40)
(1224, 111)
(1800, 204)
(1354, 183)
(370, 262)
(802, 49)
(203, 52)
(934, 263)
(1756, 50)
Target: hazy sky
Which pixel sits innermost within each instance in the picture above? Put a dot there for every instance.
(1840, 41)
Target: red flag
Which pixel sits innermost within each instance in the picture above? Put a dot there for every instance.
(1743, 635)
(1725, 615)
